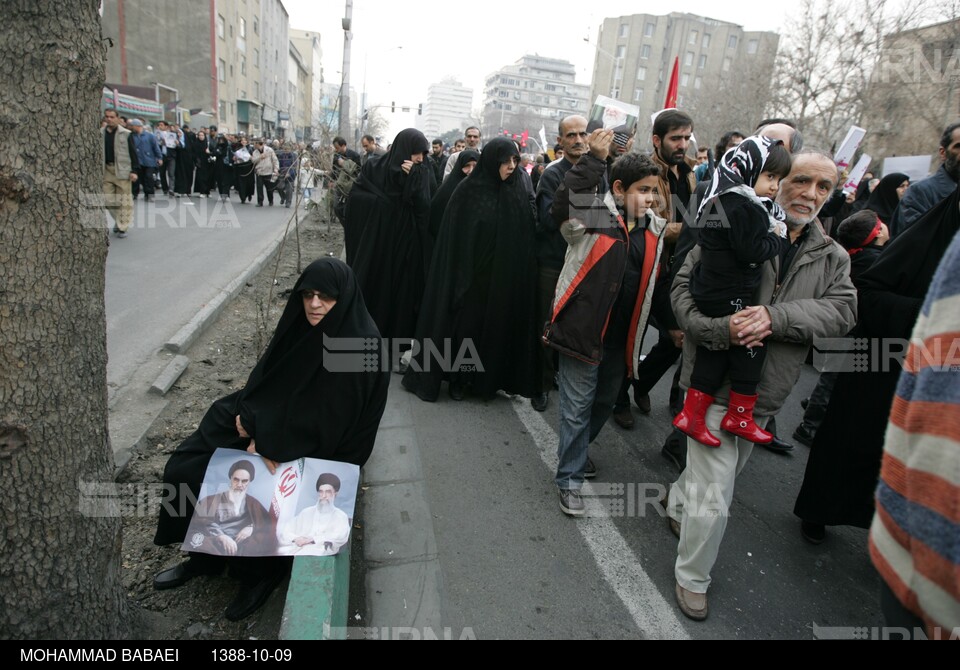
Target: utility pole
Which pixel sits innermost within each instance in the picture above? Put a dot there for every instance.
(345, 83)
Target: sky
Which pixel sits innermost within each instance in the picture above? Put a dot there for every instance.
(400, 48)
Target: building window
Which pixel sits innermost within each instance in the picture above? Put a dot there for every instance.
(706, 41)
(624, 29)
(726, 64)
(243, 94)
(641, 73)
(222, 111)
(231, 30)
(648, 29)
(703, 62)
(732, 42)
(231, 71)
(697, 82)
(645, 51)
(621, 51)
(256, 58)
(688, 60)
(256, 26)
(684, 79)
(243, 64)
(256, 89)
(752, 46)
(504, 94)
(615, 93)
(243, 28)
(694, 34)
(638, 95)
(221, 26)
(222, 70)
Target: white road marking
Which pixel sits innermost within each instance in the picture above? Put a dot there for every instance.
(654, 616)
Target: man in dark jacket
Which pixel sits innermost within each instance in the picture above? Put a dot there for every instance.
(604, 297)
(148, 156)
(925, 194)
(551, 247)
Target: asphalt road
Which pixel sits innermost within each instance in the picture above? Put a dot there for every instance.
(180, 253)
(514, 566)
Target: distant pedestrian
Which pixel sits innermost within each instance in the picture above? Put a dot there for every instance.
(120, 166)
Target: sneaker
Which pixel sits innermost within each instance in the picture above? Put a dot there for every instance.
(116, 229)
(804, 435)
(589, 470)
(570, 502)
(121, 234)
(539, 402)
(624, 418)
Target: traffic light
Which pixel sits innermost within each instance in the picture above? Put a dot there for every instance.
(523, 139)
(393, 107)
(420, 109)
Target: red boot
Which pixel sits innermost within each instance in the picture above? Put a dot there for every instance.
(739, 419)
(691, 419)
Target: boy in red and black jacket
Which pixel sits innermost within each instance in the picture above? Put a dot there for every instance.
(604, 297)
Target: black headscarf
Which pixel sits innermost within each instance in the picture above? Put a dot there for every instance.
(483, 280)
(293, 405)
(738, 172)
(386, 172)
(884, 199)
(386, 236)
(860, 201)
(440, 200)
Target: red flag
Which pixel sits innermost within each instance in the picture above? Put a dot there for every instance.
(672, 89)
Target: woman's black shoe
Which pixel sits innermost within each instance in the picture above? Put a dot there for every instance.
(251, 598)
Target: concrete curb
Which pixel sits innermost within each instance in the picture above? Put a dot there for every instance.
(124, 447)
(187, 335)
(317, 598)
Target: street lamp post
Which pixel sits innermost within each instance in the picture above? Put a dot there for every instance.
(617, 67)
(345, 82)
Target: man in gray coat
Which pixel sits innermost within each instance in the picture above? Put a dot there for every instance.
(805, 293)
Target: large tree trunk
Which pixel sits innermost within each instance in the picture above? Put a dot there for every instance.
(59, 567)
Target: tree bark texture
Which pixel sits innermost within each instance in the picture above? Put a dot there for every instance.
(59, 567)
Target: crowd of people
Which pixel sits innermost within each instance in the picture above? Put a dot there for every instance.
(182, 163)
(549, 270)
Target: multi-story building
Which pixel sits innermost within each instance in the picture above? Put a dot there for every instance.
(298, 93)
(721, 66)
(448, 107)
(914, 92)
(532, 92)
(226, 60)
(308, 44)
(274, 53)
